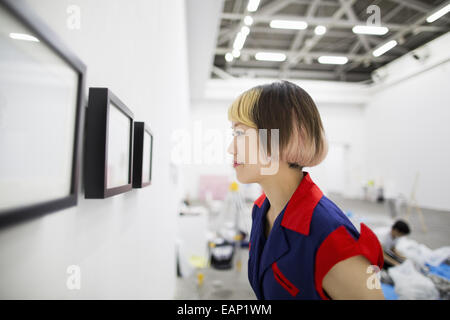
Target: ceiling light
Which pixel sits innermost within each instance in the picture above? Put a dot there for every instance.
(23, 36)
(333, 59)
(236, 53)
(319, 30)
(270, 56)
(229, 57)
(384, 48)
(248, 20)
(252, 5)
(245, 30)
(370, 30)
(239, 41)
(288, 24)
(438, 14)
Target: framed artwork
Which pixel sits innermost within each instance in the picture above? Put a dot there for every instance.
(41, 112)
(143, 155)
(109, 145)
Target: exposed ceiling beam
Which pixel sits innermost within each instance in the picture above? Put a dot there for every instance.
(313, 41)
(314, 21)
(401, 33)
(330, 3)
(308, 32)
(418, 6)
(362, 40)
(300, 34)
(268, 10)
(352, 17)
(340, 69)
(294, 74)
(322, 3)
(333, 33)
(225, 36)
(414, 5)
(298, 40)
(221, 73)
(392, 13)
(312, 55)
(237, 5)
(273, 7)
(266, 16)
(297, 50)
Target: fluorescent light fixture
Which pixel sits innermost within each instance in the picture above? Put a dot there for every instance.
(239, 41)
(384, 48)
(288, 24)
(229, 57)
(438, 14)
(23, 36)
(361, 29)
(319, 30)
(236, 53)
(270, 56)
(245, 30)
(252, 5)
(333, 59)
(248, 20)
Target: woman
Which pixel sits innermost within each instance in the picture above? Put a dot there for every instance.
(301, 244)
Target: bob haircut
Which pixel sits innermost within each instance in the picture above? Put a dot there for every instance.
(285, 106)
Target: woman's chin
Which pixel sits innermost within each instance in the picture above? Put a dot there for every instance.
(245, 178)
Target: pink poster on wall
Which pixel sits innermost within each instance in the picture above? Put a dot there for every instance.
(217, 185)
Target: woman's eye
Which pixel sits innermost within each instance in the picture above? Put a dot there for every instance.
(237, 133)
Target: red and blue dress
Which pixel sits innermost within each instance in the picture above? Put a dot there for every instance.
(307, 239)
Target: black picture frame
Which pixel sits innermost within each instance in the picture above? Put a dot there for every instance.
(31, 21)
(140, 128)
(96, 146)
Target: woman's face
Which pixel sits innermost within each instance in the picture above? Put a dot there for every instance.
(247, 161)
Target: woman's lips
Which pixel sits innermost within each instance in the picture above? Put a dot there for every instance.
(235, 164)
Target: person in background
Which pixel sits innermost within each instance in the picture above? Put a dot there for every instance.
(389, 239)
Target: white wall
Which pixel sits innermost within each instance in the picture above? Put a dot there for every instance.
(125, 245)
(407, 126)
(341, 109)
(203, 21)
(343, 170)
(209, 117)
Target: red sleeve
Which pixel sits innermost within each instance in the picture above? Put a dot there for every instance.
(340, 245)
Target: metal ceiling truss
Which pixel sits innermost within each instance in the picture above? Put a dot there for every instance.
(303, 46)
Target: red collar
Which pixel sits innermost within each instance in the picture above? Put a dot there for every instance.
(300, 208)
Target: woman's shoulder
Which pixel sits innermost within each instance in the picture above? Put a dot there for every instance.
(337, 238)
(328, 217)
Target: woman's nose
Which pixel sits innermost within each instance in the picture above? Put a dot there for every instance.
(231, 147)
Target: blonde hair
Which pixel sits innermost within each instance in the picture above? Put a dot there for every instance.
(241, 109)
(285, 106)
